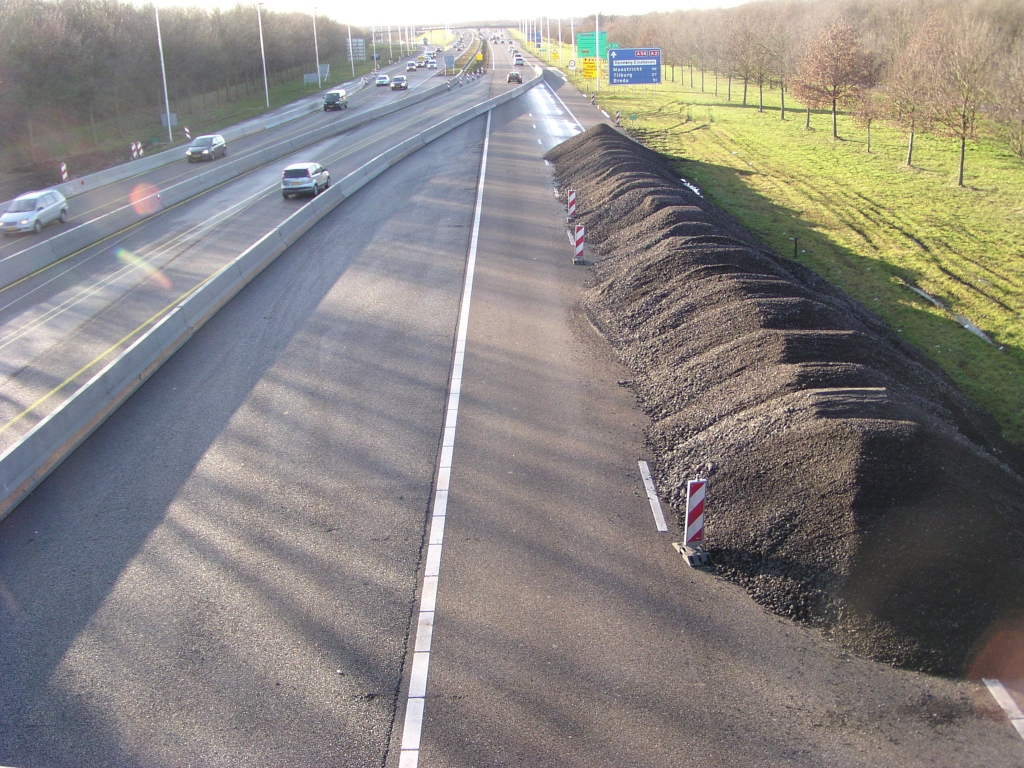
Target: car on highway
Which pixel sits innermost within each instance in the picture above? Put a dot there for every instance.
(431, 64)
(399, 83)
(206, 148)
(410, 66)
(383, 80)
(32, 211)
(335, 100)
(514, 77)
(304, 179)
(519, 61)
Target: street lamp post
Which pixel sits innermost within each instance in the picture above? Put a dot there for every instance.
(351, 53)
(163, 73)
(597, 46)
(263, 54)
(316, 48)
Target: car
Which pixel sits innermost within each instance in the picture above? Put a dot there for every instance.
(514, 77)
(410, 66)
(431, 64)
(206, 148)
(304, 179)
(335, 100)
(32, 211)
(399, 83)
(519, 61)
(383, 80)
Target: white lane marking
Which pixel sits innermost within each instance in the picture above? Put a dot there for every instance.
(413, 727)
(1002, 696)
(563, 106)
(652, 497)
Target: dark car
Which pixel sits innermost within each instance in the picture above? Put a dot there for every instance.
(206, 148)
(514, 77)
(399, 83)
(335, 100)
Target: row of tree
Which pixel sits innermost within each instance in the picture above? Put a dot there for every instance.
(947, 66)
(84, 58)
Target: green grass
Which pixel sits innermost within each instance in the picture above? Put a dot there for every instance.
(864, 221)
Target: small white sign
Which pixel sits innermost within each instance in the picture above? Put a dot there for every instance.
(572, 63)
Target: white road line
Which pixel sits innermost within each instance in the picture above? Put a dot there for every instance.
(569, 111)
(652, 496)
(413, 727)
(1002, 696)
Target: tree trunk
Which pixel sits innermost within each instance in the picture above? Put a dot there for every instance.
(728, 93)
(702, 80)
(31, 139)
(716, 83)
(807, 125)
(869, 136)
(744, 91)
(782, 95)
(835, 132)
(760, 93)
(691, 75)
(910, 149)
(963, 150)
(117, 118)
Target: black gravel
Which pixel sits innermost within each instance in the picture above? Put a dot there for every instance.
(852, 486)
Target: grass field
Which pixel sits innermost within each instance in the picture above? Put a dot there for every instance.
(864, 221)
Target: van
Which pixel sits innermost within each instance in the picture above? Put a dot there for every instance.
(335, 100)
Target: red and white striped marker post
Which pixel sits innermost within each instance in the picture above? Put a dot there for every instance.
(691, 547)
(572, 203)
(187, 134)
(63, 171)
(135, 150)
(577, 257)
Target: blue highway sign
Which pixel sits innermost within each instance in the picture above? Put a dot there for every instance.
(634, 66)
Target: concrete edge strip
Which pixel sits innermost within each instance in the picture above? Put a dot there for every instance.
(27, 463)
(652, 497)
(413, 724)
(1003, 698)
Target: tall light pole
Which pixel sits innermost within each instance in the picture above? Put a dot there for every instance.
(373, 37)
(391, 48)
(316, 48)
(597, 47)
(163, 72)
(559, 41)
(263, 54)
(351, 53)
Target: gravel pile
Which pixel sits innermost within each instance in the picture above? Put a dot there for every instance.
(851, 485)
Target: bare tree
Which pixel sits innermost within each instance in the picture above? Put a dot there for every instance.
(834, 68)
(910, 82)
(962, 68)
(1009, 99)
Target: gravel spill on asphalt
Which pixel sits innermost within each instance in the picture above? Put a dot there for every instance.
(852, 486)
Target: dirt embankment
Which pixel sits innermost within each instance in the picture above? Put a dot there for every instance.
(851, 484)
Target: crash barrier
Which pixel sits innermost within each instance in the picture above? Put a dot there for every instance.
(20, 265)
(41, 450)
(92, 181)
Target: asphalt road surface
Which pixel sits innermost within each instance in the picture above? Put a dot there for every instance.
(230, 571)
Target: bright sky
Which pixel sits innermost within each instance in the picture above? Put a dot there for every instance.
(455, 12)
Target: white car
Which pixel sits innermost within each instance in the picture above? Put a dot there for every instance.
(410, 66)
(304, 179)
(383, 81)
(431, 64)
(32, 211)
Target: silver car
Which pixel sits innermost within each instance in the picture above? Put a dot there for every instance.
(304, 179)
(33, 211)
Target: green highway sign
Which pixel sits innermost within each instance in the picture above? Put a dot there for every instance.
(586, 47)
